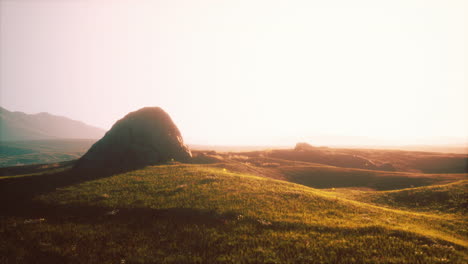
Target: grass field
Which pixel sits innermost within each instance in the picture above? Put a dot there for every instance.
(445, 198)
(181, 213)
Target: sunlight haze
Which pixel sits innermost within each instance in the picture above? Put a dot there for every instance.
(245, 72)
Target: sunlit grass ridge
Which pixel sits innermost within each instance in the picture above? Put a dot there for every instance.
(242, 200)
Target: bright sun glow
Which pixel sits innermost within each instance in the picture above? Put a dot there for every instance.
(245, 72)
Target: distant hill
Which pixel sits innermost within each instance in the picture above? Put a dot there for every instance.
(235, 148)
(17, 153)
(18, 126)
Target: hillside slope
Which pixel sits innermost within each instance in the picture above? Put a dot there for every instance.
(205, 214)
(378, 159)
(323, 176)
(447, 198)
(17, 126)
(369, 159)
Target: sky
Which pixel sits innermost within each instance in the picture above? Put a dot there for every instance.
(245, 72)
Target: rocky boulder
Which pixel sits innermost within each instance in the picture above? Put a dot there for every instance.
(144, 137)
(302, 146)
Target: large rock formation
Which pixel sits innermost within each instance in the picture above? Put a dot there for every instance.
(303, 146)
(144, 137)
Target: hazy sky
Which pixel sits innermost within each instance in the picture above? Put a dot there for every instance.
(245, 72)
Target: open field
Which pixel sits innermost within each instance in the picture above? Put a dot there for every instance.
(17, 153)
(445, 198)
(326, 176)
(233, 132)
(227, 212)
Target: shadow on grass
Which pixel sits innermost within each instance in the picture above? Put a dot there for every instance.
(17, 193)
(36, 168)
(331, 179)
(17, 200)
(180, 218)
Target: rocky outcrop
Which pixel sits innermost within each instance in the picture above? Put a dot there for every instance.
(302, 146)
(144, 137)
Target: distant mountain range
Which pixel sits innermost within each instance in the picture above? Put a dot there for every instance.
(18, 126)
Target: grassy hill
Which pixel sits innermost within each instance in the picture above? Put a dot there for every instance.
(408, 161)
(327, 176)
(320, 176)
(446, 198)
(200, 213)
